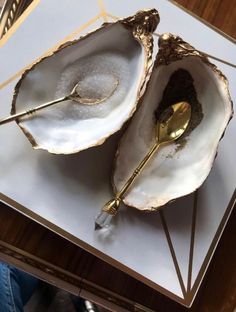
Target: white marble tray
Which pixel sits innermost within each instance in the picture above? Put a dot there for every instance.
(168, 251)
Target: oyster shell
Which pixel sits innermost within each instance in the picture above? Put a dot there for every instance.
(111, 63)
(180, 73)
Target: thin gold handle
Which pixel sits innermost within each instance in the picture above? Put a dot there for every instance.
(138, 170)
(32, 110)
(112, 205)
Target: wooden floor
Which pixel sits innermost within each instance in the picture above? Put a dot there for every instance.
(219, 13)
(218, 291)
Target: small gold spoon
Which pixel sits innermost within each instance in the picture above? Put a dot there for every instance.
(171, 125)
(73, 96)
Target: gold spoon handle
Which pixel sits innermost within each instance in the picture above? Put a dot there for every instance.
(136, 172)
(32, 110)
(111, 207)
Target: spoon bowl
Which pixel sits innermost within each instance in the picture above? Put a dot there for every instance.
(75, 94)
(173, 122)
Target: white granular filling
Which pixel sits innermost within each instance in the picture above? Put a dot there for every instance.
(100, 76)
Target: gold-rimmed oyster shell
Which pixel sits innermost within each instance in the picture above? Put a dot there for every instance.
(117, 54)
(180, 73)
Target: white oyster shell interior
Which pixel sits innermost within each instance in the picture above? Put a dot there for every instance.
(109, 62)
(171, 173)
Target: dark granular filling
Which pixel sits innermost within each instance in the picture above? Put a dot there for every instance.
(181, 88)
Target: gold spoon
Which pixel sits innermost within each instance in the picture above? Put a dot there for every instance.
(74, 96)
(171, 125)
